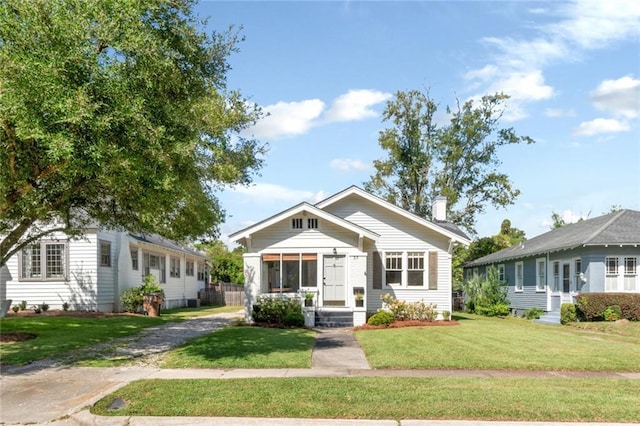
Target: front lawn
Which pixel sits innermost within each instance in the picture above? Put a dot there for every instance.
(575, 400)
(58, 335)
(245, 347)
(502, 343)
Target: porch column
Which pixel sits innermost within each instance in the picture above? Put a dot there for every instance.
(252, 280)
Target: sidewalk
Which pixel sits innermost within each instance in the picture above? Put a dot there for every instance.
(44, 392)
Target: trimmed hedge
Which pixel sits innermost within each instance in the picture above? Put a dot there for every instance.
(592, 306)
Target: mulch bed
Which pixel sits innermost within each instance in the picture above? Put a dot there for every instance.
(400, 324)
(17, 336)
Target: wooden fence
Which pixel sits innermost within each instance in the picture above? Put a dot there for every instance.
(222, 294)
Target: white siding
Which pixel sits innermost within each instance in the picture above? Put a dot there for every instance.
(252, 280)
(81, 289)
(107, 291)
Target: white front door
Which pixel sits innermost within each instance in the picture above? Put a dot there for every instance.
(334, 281)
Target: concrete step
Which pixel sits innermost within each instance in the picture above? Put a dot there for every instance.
(334, 319)
(551, 318)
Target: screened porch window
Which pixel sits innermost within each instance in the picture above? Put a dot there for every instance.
(288, 272)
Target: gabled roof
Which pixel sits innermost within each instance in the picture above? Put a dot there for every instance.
(299, 209)
(168, 244)
(447, 229)
(621, 228)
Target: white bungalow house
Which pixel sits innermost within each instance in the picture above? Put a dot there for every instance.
(90, 272)
(351, 242)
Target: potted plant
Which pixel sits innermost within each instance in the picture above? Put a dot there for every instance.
(359, 300)
(308, 299)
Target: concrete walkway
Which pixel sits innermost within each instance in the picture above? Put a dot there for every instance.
(46, 392)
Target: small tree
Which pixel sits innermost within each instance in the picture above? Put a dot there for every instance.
(487, 295)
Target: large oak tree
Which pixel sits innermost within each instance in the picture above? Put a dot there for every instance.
(116, 112)
(458, 160)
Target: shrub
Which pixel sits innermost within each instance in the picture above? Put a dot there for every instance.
(495, 310)
(15, 309)
(65, 306)
(44, 307)
(612, 313)
(533, 313)
(486, 296)
(568, 313)
(591, 306)
(150, 285)
(446, 315)
(131, 299)
(403, 311)
(381, 318)
(23, 305)
(294, 319)
(275, 310)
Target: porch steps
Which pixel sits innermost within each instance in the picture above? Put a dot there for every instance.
(334, 318)
(550, 318)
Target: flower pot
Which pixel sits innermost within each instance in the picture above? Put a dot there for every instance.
(359, 303)
(308, 302)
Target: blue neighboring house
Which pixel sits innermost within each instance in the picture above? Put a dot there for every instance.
(594, 255)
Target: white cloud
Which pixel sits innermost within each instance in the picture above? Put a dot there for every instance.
(518, 63)
(355, 105)
(272, 193)
(601, 125)
(621, 97)
(288, 118)
(348, 164)
(558, 113)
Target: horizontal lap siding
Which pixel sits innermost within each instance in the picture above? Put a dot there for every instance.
(107, 275)
(80, 291)
(398, 233)
(281, 237)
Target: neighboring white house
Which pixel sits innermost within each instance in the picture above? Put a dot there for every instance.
(351, 242)
(90, 272)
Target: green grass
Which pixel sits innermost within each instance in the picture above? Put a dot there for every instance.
(59, 335)
(575, 400)
(245, 347)
(494, 343)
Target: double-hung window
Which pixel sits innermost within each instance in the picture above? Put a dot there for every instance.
(556, 276)
(501, 273)
(415, 268)
(134, 258)
(519, 276)
(630, 273)
(105, 253)
(201, 271)
(44, 260)
(578, 274)
(174, 267)
(393, 268)
(541, 277)
(189, 269)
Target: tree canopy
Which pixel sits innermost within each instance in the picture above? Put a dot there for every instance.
(226, 266)
(117, 112)
(458, 160)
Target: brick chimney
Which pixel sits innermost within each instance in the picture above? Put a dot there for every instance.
(439, 209)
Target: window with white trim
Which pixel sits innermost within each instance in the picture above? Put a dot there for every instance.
(288, 272)
(541, 276)
(611, 265)
(54, 266)
(154, 262)
(630, 265)
(201, 271)
(105, 253)
(189, 269)
(134, 258)
(501, 273)
(578, 274)
(174, 267)
(415, 268)
(556, 276)
(519, 276)
(393, 268)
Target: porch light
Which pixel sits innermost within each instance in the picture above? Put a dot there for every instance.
(335, 251)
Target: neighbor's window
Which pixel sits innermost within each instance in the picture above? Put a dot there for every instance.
(201, 271)
(134, 258)
(519, 276)
(188, 269)
(152, 263)
(556, 276)
(501, 274)
(630, 265)
(393, 264)
(54, 265)
(541, 278)
(578, 272)
(105, 253)
(611, 265)
(415, 268)
(174, 267)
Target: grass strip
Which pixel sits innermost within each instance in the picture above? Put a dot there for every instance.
(245, 347)
(523, 399)
(502, 343)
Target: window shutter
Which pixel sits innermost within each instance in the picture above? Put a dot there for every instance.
(377, 271)
(433, 270)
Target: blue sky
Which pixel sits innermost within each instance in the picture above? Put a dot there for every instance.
(324, 70)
